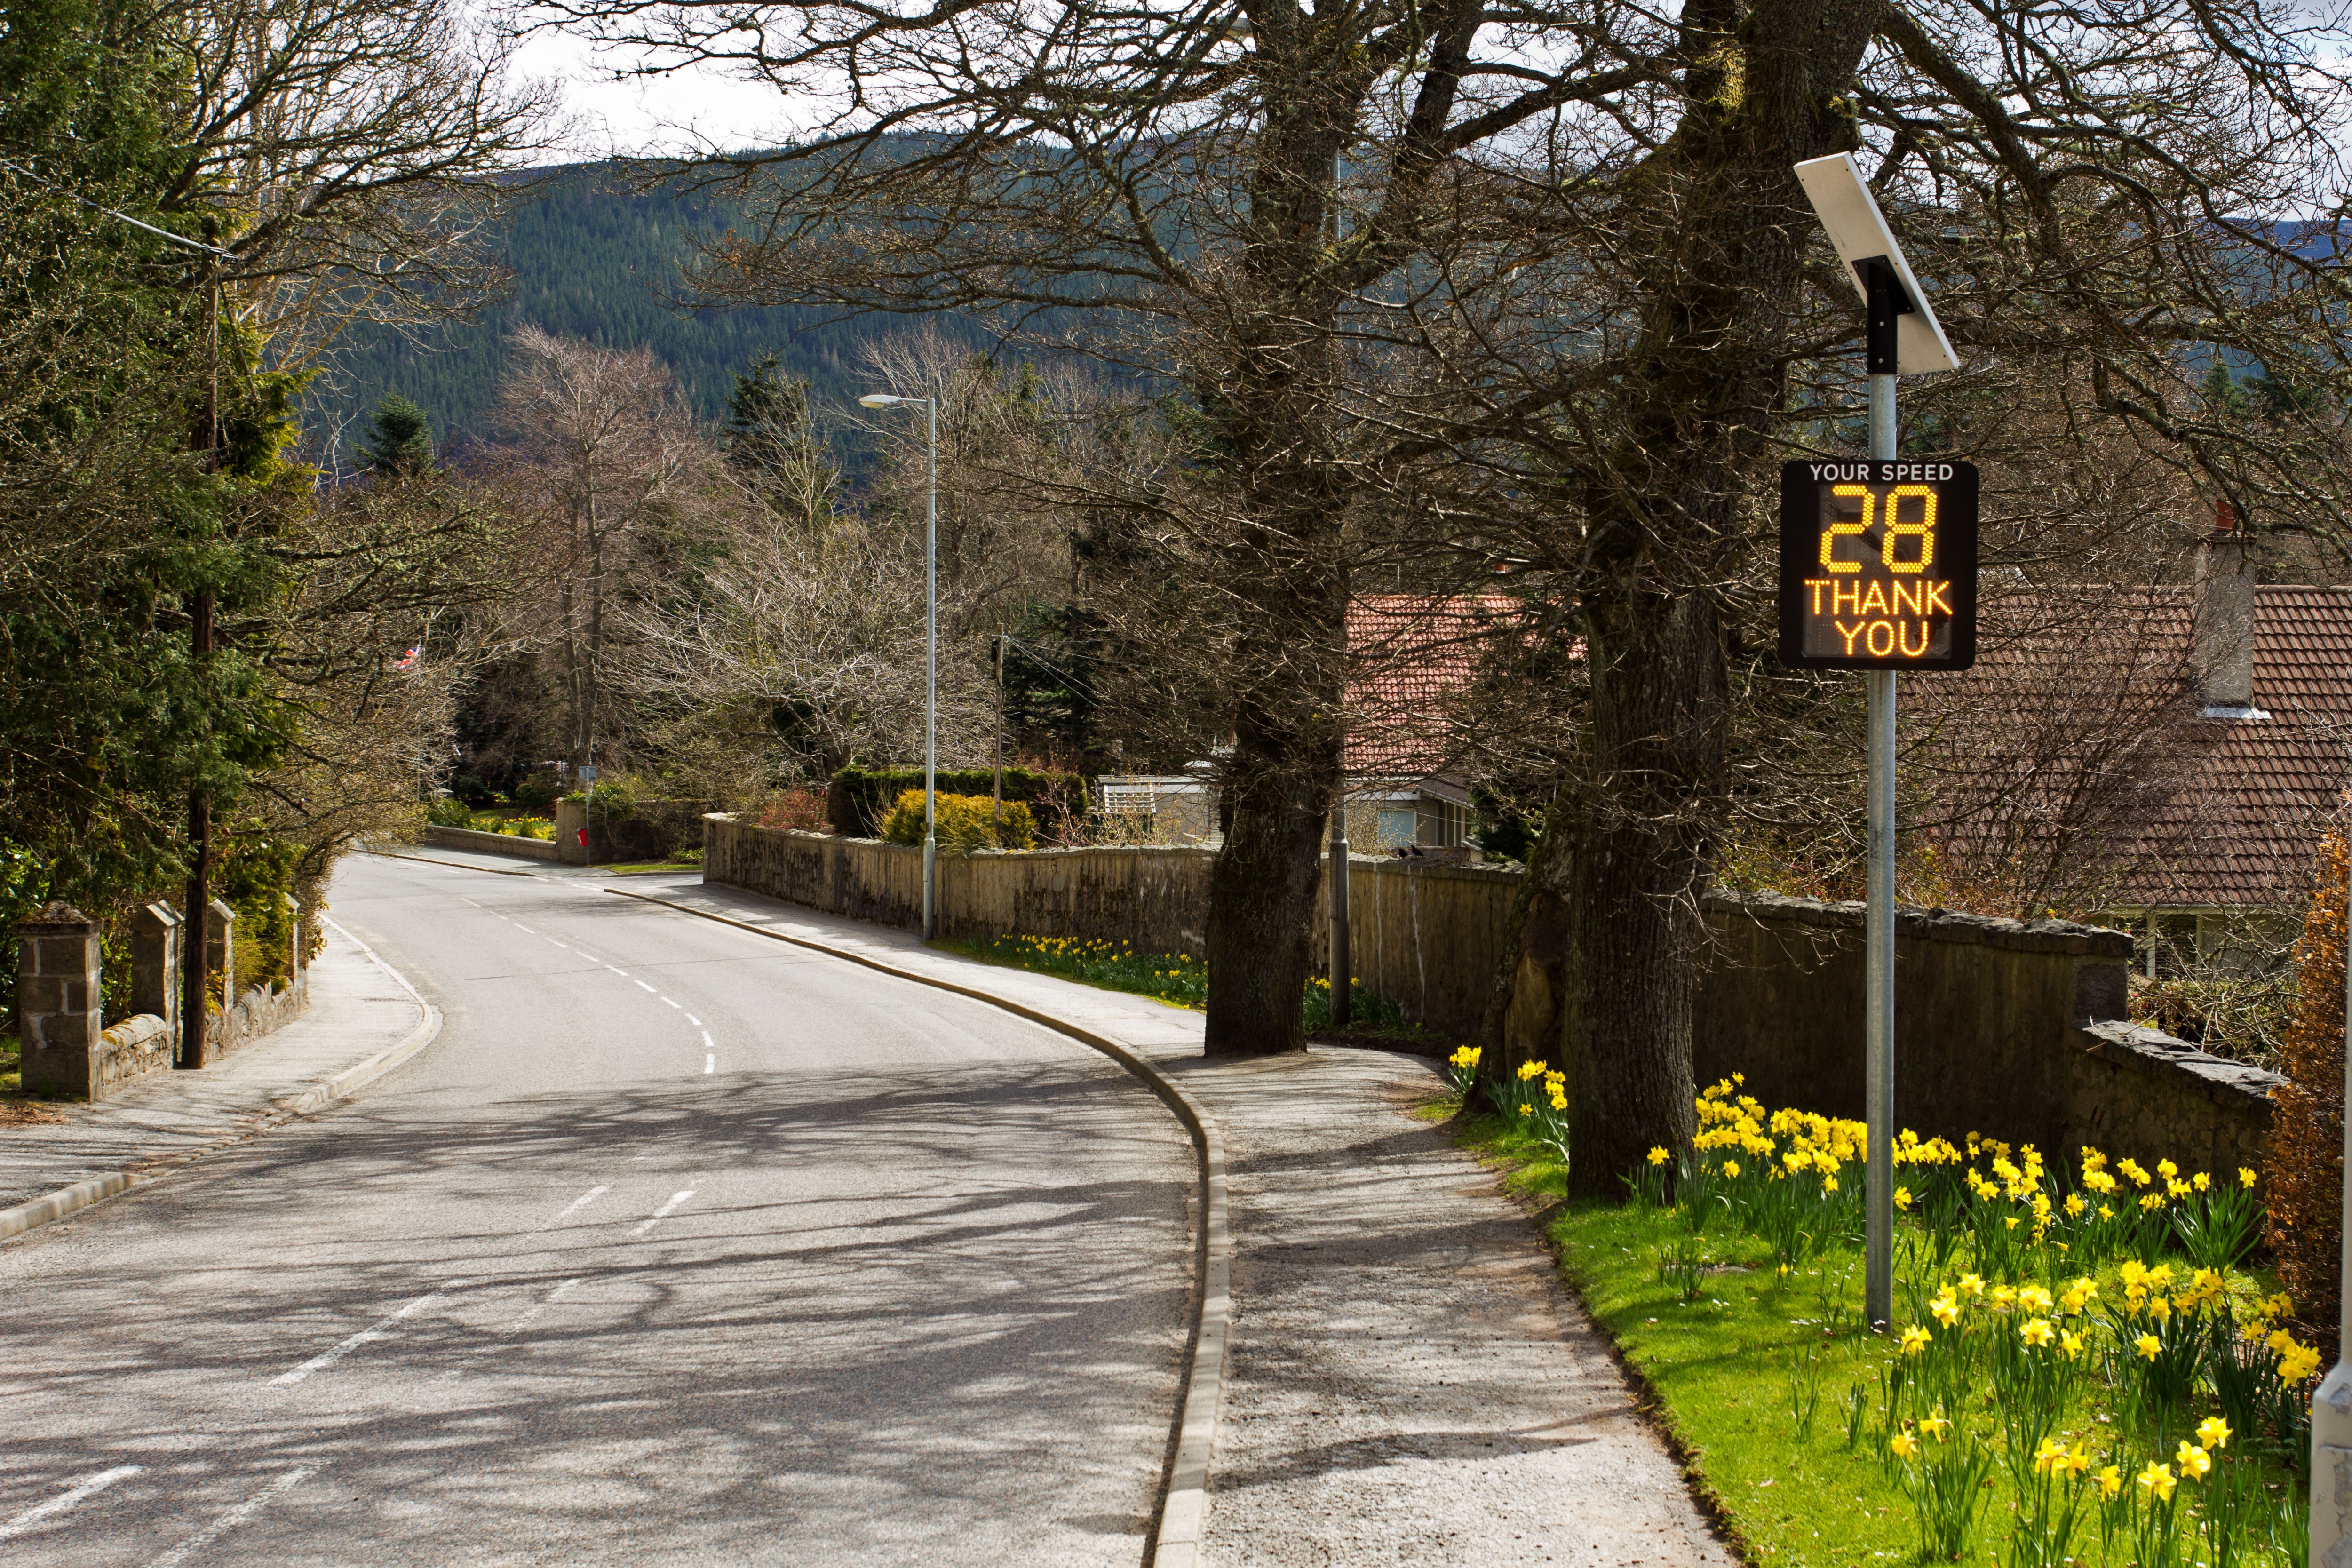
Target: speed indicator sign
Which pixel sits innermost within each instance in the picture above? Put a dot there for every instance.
(1878, 565)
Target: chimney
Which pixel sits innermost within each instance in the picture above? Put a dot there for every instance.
(2224, 627)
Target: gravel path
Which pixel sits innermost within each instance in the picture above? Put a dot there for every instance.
(1411, 1383)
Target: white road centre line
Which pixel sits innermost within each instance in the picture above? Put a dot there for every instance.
(622, 972)
(642, 984)
(663, 1213)
(286, 1482)
(67, 1499)
(710, 1062)
(329, 1357)
(463, 900)
(524, 928)
(559, 944)
(532, 1313)
(583, 1200)
(673, 1004)
(707, 1044)
(693, 1020)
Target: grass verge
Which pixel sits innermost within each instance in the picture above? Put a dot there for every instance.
(1769, 1386)
(1180, 979)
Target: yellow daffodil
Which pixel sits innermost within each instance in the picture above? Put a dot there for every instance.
(1935, 1426)
(2213, 1433)
(1658, 1155)
(1731, 1167)
(2196, 1463)
(2149, 1347)
(2072, 1343)
(1903, 1444)
(1972, 1285)
(2245, 1177)
(1914, 1340)
(2078, 1460)
(2048, 1457)
(1945, 1309)
(1902, 1199)
(2111, 1481)
(2157, 1482)
(2037, 1332)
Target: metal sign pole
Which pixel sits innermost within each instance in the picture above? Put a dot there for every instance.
(1342, 965)
(2331, 1405)
(1878, 1032)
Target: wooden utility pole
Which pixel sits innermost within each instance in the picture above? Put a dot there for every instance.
(1000, 741)
(195, 927)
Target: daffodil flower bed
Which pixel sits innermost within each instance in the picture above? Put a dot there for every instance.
(1178, 977)
(2075, 1375)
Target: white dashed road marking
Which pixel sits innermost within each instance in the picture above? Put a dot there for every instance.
(663, 1213)
(231, 1520)
(67, 1499)
(328, 1358)
(583, 1200)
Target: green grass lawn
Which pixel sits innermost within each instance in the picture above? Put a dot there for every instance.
(1181, 980)
(1734, 1368)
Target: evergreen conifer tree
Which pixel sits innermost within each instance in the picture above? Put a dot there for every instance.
(398, 439)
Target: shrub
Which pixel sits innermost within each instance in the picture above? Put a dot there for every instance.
(537, 790)
(449, 814)
(858, 800)
(795, 810)
(2305, 1159)
(966, 822)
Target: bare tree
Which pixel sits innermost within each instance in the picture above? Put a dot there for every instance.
(605, 459)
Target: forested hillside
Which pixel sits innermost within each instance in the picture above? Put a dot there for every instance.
(594, 259)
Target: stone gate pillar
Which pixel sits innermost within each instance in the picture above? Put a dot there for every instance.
(155, 964)
(220, 951)
(57, 1001)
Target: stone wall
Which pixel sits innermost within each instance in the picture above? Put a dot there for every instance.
(129, 1051)
(496, 843)
(2012, 1029)
(1156, 899)
(63, 1050)
(2007, 1028)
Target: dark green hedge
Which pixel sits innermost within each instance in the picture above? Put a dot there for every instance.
(859, 798)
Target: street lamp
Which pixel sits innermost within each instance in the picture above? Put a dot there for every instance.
(930, 656)
(1903, 333)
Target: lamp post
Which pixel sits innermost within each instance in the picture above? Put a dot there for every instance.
(1901, 327)
(930, 656)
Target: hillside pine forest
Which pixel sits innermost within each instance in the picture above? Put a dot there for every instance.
(591, 256)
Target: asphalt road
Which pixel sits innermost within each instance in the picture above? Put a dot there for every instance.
(679, 1245)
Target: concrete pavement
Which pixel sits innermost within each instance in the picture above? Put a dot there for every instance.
(1408, 1381)
(676, 1246)
(358, 1011)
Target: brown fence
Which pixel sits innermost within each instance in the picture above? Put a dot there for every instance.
(2007, 1028)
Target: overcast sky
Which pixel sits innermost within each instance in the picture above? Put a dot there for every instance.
(651, 114)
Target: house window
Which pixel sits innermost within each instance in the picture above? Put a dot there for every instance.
(1397, 826)
(2170, 945)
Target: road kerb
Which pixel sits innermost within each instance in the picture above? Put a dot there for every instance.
(1178, 1541)
(50, 1207)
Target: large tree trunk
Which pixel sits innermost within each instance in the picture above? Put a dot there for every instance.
(1604, 972)
(1262, 891)
(1636, 861)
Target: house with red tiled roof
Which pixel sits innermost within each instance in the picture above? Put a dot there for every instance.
(1412, 657)
(2172, 755)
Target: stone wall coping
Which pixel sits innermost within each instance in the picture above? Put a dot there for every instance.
(2157, 1053)
(496, 843)
(1937, 924)
(55, 916)
(133, 1031)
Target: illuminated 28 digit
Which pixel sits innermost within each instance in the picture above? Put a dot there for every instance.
(1925, 528)
(1830, 563)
